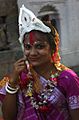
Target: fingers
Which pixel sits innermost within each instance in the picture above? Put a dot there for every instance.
(19, 65)
(21, 60)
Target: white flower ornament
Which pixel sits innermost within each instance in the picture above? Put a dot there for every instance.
(28, 22)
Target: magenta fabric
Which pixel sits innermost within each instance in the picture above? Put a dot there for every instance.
(69, 85)
(64, 97)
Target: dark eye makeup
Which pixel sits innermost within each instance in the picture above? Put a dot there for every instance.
(36, 46)
(27, 46)
(40, 45)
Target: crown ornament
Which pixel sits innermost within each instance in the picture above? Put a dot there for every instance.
(28, 22)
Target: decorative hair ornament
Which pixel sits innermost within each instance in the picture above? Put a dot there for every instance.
(28, 22)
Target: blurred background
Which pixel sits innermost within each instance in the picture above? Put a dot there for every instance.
(63, 15)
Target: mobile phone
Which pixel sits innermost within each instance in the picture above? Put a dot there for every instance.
(18, 54)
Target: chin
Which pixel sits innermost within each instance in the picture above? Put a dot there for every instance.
(35, 64)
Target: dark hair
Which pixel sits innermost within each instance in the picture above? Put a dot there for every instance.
(51, 36)
(51, 41)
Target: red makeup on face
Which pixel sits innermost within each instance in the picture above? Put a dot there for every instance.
(32, 37)
(36, 48)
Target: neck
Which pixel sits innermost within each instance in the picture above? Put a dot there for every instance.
(45, 69)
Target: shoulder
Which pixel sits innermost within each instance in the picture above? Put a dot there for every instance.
(68, 79)
(68, 75)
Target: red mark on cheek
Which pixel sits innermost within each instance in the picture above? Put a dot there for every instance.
(32, 38)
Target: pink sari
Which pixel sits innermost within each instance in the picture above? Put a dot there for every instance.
(64, 97)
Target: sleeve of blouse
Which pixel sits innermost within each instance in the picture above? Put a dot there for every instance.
(2, 87)
(70, 83)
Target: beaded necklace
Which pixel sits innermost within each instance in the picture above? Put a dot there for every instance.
(41, 100)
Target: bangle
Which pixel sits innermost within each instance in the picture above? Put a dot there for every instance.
(11, 90)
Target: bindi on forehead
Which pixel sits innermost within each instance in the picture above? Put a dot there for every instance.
(35, 36)
(32, 37)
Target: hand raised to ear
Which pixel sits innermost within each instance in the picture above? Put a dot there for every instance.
(18, 67)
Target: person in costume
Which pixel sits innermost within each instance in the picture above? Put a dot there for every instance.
(40, 87)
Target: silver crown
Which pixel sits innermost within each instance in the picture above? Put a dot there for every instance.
(28, 22)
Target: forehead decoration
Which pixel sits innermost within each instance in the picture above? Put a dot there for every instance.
(32, 37)
(28, 22)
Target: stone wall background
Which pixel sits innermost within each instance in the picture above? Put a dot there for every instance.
(9, 47)
(10, 51)
(69, 23)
